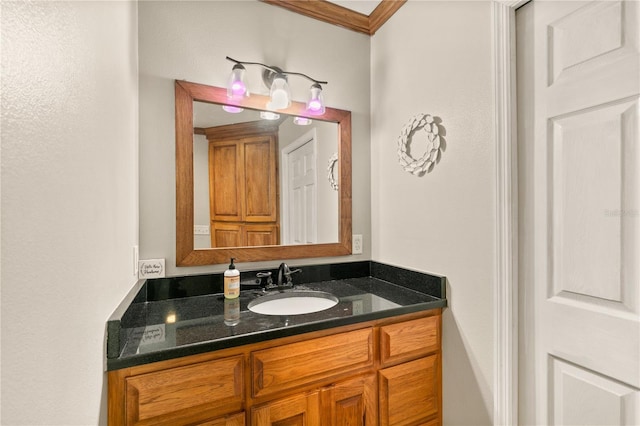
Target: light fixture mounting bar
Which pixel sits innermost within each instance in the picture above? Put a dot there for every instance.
(276, 70)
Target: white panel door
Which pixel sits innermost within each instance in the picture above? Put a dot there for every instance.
(301, 200)
(578, 89)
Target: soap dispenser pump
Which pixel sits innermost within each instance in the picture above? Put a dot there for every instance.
(231, 281)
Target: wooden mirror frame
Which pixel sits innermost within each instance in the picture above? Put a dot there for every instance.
(186, 254)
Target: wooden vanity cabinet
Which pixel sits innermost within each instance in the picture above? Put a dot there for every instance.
(383, 372)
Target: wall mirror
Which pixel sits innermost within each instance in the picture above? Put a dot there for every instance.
(257, 189)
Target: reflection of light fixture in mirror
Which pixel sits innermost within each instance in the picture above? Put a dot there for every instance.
(268, 115)
(315, 104)
(302, 121)
(276, 80)
(232, 109)
(236, 87)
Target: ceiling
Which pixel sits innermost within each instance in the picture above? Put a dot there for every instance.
(363, 16)
(361, 6)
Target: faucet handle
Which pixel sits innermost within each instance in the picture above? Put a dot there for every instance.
(264, 279)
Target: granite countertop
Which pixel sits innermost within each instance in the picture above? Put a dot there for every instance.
(168, 318)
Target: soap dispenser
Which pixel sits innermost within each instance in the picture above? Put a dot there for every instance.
(231, 281)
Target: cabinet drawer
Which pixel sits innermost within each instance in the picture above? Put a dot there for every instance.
(285, 367)
(185, 394)
(409, 340)
(409, 392)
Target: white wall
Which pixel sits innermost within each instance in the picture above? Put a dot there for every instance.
(189, 40)
(435, 57)
(69, 202)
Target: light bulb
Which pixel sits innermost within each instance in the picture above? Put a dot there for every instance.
(315, 104)
(232, 109)
(236, 87)
(268, 115)
(280, 94)
(302, 121)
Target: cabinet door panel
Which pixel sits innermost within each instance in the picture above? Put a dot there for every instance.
(226, 235)
(299, 410)
(409, 392)
(351, 402)
(261, 188)
(185, 394)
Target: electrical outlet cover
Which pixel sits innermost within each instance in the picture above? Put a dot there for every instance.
(357, 244)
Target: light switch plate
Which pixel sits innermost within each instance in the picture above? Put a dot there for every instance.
(151, 268)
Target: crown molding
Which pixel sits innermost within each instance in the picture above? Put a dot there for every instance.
(334, 14)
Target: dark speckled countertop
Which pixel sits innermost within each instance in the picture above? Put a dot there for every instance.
(167, 318)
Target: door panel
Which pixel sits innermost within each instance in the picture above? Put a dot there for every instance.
(582, 397)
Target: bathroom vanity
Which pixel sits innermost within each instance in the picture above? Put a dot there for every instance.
(178, 353)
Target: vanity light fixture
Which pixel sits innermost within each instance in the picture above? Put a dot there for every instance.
(277, 80)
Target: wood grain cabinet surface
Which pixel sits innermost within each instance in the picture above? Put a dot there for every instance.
(243, 187)
(382, 372)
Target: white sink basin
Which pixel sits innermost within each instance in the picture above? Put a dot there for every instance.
(294, 302)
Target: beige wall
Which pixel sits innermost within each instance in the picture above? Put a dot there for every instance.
(435, 57)
(189, 40)
(69, 202)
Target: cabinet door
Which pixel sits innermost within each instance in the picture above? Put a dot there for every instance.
(298, 410)
(351, 402)
(261, 186)
(409, 392)
(226, 184)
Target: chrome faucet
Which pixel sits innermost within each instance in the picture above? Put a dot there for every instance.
(284, 275)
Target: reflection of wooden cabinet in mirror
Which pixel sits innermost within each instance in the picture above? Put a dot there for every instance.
(243, 189)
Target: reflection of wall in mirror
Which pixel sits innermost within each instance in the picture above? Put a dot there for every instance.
(327, 144)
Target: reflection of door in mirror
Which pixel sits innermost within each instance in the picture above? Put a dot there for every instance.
(299, 190)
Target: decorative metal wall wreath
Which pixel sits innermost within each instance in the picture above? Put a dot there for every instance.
(331, 175)
(435, 144)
